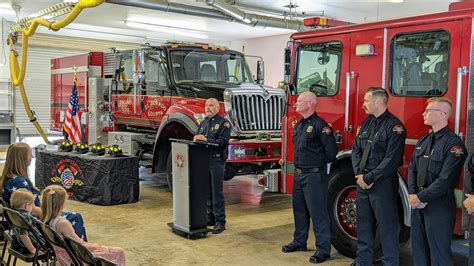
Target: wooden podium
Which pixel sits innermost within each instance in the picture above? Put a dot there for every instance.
(190, 186)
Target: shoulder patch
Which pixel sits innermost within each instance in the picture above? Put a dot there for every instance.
(398, 129)
(327, 130)
(456, 151)
(227, 124)
(293, 124)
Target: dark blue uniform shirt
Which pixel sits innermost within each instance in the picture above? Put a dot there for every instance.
(469, 176)
(444, 168)
(386, 154)
(217, 130)
(314, 143)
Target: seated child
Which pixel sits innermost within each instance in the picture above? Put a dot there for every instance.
(53, 201)
(23, 201)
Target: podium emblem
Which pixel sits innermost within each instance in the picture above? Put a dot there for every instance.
(179, 160)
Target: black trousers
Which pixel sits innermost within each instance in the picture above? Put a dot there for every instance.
(378, 206)
(471, 242)
(310, 201)
(431, 232)
(215, 199)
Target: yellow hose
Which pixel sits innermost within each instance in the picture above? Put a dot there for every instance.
(18, 74)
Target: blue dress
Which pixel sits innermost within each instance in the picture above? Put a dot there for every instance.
(17, 182)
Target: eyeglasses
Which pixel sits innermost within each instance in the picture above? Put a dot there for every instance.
(427, 111)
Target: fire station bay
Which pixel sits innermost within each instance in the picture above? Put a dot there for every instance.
(237, 132)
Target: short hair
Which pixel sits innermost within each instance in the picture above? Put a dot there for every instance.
(380, 93)
(441, 100)
(21, 196)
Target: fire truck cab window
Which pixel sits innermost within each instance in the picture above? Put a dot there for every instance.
(155, 71)
(209, 67)
(319, 67)
(419, 64)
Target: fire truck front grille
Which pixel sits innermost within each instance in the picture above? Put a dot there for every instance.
(257, 113)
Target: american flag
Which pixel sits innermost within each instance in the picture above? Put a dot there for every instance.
(72, 125)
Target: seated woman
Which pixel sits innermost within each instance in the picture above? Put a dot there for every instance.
(54, 199)
(15, 176)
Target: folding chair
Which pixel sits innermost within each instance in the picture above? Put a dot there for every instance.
(5, 229)
(84, 255)
(55, 239)
(16, 219)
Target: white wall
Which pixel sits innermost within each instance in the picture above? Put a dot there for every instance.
(271, 49)
(4, 52)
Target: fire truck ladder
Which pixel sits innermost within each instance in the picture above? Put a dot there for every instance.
(27, 26)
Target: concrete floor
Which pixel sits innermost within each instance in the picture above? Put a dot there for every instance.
(258, 224)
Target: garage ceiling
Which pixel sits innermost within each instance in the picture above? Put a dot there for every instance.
(108, 20)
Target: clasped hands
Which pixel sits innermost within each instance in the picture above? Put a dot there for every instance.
(469, 204)
(415, 202)
(200, 137)
(361, 182)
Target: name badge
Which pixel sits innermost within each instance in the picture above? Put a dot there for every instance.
(216, 127)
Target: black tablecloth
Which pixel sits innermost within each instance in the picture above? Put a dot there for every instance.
(100, 180)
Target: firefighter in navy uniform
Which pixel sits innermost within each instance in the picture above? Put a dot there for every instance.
(434, 172)
(215, 129)
(469, 204)
(314, 147)
(376, 155)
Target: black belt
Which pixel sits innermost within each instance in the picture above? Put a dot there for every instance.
(216, 155)
(308, 170)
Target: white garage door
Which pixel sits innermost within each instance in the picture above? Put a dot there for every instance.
(38, 88)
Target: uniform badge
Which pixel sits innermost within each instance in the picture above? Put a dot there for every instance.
(216, 127)
(309, 129)
(457, 151)
(327, 130)
(227, 124)
(398, 129)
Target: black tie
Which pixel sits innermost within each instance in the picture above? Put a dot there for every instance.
(423, 163)
(368, 147)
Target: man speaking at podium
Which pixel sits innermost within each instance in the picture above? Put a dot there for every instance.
(215, 129)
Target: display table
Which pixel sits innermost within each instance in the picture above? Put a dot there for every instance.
(100, 180)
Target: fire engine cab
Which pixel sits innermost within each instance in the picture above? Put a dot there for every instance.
(141, 98)
(413, 59)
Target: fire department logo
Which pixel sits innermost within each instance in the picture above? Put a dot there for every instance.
(179, 160)
(457, 151)
(67, 173)
(398, 129)
(327, 130)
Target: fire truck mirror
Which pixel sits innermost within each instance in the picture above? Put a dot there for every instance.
(287, 70)
(260, 72)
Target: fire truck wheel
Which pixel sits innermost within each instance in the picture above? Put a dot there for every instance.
(342, 212)
(169, 172)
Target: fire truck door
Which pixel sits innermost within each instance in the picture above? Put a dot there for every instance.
(320, 65)
(425, 61)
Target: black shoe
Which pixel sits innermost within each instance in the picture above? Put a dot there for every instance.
(211, 223)
(318, 257)
(292, 247)
(218, 228)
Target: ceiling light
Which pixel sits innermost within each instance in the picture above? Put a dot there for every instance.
(166, 29)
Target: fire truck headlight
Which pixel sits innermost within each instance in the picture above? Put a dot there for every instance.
(228, 101)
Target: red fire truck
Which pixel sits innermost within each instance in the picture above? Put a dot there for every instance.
(413, 59)
(141, 98)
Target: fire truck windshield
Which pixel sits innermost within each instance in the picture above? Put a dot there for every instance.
(190, 66)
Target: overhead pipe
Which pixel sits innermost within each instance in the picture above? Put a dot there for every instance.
(238, 16)
(255, 20)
